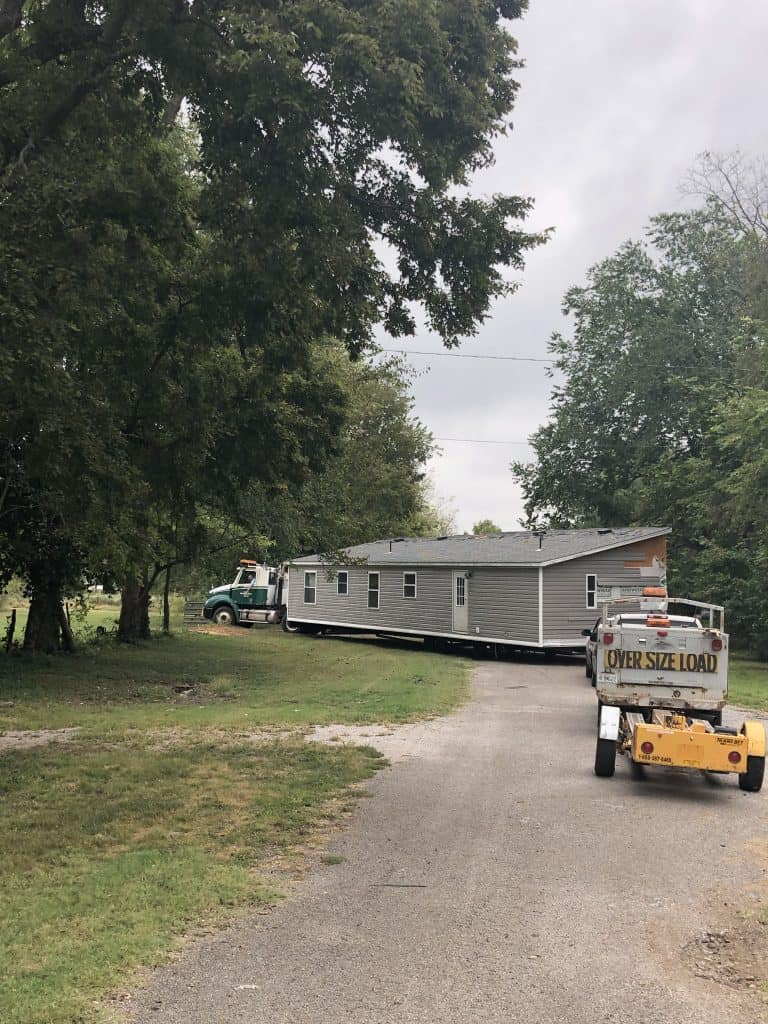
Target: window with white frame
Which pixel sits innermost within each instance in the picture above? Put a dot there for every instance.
(461, 589)
(409, 584)
(342, 582)
(373, 590)
(591, 590)
(310, 588)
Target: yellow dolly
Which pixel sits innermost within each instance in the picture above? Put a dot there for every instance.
(670, 739)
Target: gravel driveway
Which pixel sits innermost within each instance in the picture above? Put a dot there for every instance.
(492, 879)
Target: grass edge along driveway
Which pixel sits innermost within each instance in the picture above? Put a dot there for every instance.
(117, 843)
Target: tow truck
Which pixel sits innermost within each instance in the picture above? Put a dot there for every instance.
(661, 690)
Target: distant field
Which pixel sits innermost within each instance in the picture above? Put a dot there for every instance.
(102, 611)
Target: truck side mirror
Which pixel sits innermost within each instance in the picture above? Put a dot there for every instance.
(587, 632)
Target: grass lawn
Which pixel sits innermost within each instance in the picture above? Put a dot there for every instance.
(251, 678)
(748, 683)
(155, 817)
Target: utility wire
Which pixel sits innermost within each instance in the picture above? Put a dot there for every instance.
(467, 355)
(686, 367)
(476, 440)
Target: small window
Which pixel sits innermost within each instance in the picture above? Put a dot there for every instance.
(373, 590)
(460, 591)
(409, 584)
(591, 590)
(310, 587)
(342, 582)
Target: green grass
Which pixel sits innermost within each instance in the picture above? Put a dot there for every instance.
(155, 818)
(748, 683)
(109, 853)
(257, 677)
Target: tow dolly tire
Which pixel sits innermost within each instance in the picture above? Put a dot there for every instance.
(751, 781)
(605, 758)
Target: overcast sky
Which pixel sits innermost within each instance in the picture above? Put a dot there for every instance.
(616, 100)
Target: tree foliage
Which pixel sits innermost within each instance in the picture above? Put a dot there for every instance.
(485, 527)
(191, 196)
(660, 413)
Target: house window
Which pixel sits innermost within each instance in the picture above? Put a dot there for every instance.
(409, 584)
(373, 590)
(310, 587)
(461, 584)
(342, 582)
(591, 590)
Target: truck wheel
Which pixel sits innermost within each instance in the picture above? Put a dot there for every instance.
(605, 758)
(751, 781)
(223, 616)
(587, 669)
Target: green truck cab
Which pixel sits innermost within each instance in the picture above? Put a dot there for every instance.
(255, 595)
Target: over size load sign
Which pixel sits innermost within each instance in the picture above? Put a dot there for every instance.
(660, 661)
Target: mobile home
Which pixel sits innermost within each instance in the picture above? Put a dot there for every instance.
(521, 589)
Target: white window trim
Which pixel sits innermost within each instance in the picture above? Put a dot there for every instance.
(376, 590)
(345, 574)
(310, 572)
(411, 597)
(590, 576)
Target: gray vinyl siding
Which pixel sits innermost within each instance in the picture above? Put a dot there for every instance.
(431, 610)
(504, 604)
(564, 588)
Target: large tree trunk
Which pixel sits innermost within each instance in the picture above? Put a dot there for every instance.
(44, 621)
(134, 610)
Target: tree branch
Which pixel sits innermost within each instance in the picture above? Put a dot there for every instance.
(172, 108)
(57, 117)
(10, 17)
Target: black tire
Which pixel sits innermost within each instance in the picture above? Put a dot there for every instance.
(224, 616)
(751, 781)
(605, 758)
(587, 669)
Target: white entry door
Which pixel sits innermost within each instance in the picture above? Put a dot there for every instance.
(460, 603)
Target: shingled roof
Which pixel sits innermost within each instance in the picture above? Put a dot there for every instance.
(519, 548)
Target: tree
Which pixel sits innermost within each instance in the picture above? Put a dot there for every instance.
(653, 351)
(485, 527)
(136, 255)
(661, 415)
(370, 485)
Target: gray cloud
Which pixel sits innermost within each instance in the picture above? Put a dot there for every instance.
(616, 101)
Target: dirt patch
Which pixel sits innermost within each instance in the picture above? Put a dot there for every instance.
(22, 739)
(395, 742)
(736, 957)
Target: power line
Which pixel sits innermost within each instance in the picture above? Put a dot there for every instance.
(467, 355)
(671, 367)
(477, 440)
